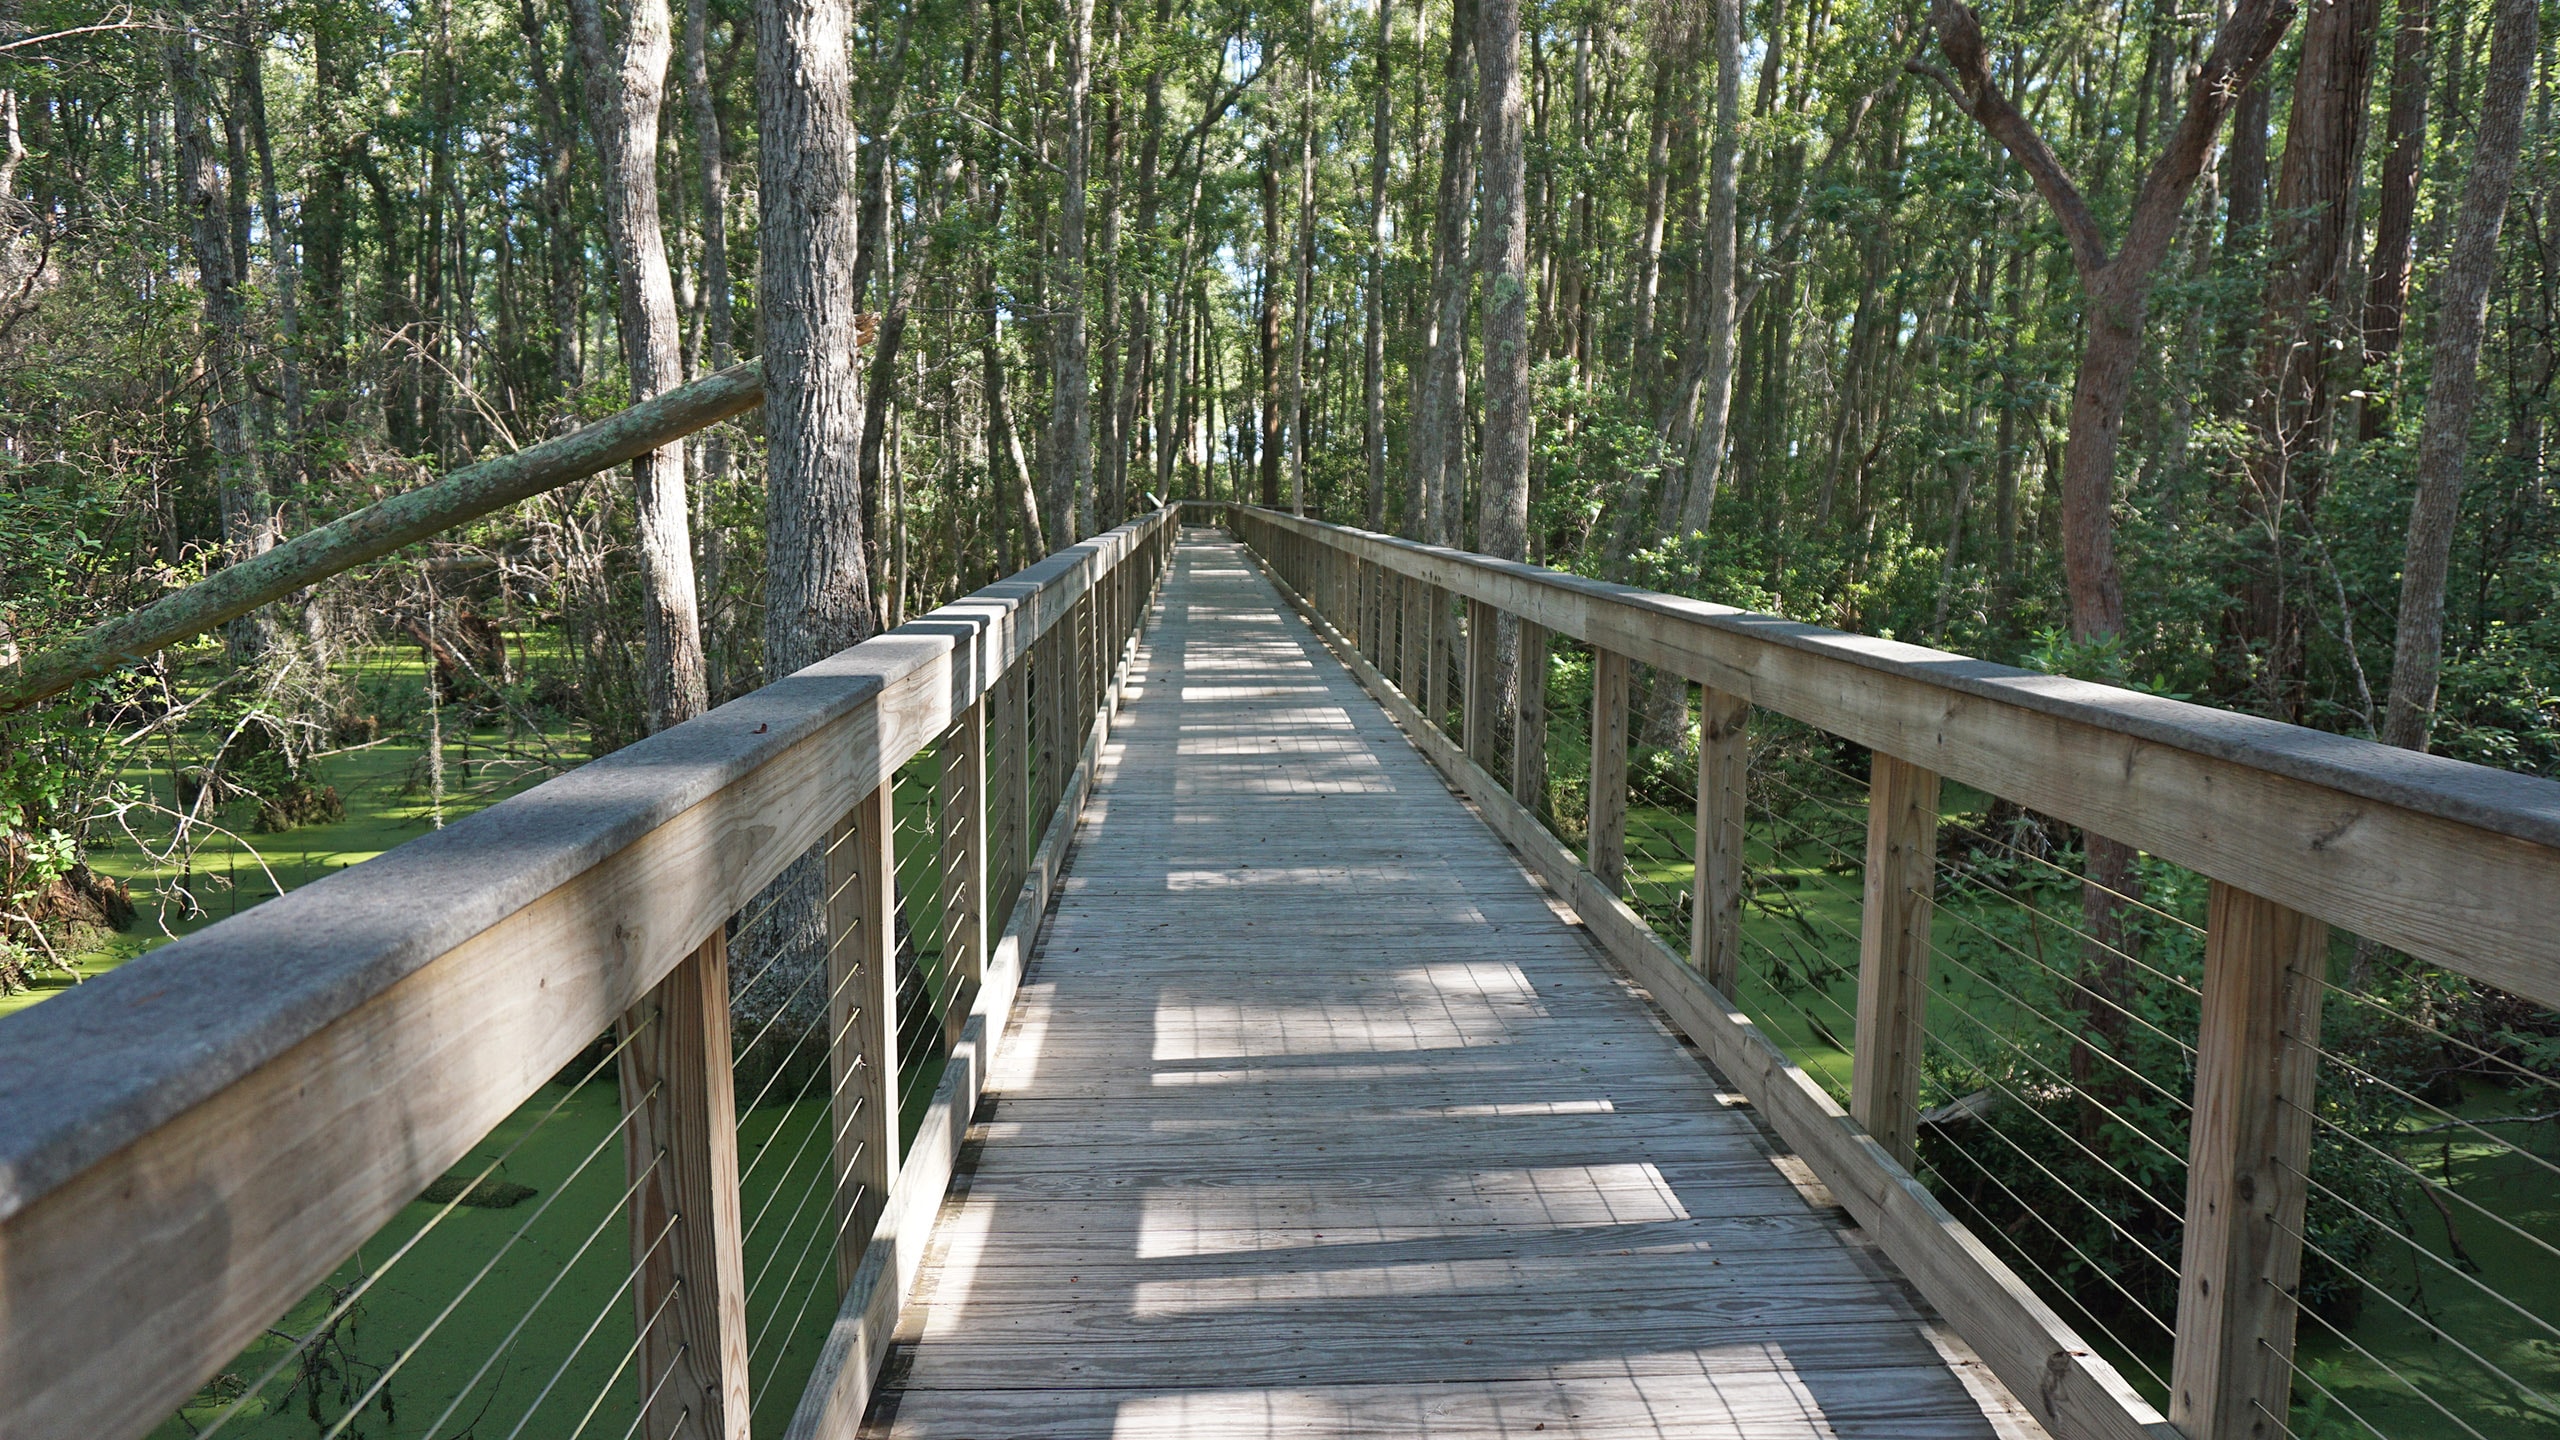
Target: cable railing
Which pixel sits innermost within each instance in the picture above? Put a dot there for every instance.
(620, 1109)
(2253, 1131)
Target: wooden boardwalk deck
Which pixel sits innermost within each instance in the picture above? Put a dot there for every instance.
(1318, 1119)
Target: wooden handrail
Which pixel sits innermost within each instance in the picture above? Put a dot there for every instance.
(2455, 863)
(190, 1143)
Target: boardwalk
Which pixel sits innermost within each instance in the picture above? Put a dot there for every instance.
(1317, 1119)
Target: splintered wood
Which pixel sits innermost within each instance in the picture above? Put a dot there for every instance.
(1317, 1120)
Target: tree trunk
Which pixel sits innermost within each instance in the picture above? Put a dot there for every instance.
(1706, 456)
(2395, 233)
(2444, 435)
(1269, 328)
(625, 91)
(2307, 301)
(1435, 425)
(564, 256)
(248, 513)
(1502, 517)
(1302, 280)
(719, 321)
(1373, 335)
(817, 588)
(1069, 453)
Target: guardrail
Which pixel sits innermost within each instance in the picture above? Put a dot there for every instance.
(2454, 865)
(193, 1143)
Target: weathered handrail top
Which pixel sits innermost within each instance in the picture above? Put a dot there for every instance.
(2456, 863)
(2524, 807)
(92, 1070)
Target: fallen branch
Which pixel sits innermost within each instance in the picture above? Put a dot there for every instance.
(381, 528)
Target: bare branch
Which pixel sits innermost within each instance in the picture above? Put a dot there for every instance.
(1960, 40)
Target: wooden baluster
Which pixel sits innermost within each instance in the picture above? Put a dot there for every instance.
(2249, 1146)
(1715, 900)
(1893, 953)
(862, 1020)
(1482, 661)
(681, 1151)
(1529, 722)
(1610, 674)
(1436, 638)
(963, 842)
(1417, 650)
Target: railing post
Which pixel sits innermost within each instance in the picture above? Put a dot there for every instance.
(2249, 1147)
(681, 1151)
(1414, 667)
(862, 1022)
(1607, 812)
(1436, 627)
(1529, 722)
(1893, 953)
(963, 843)
(1482, 661)
(1715, 900)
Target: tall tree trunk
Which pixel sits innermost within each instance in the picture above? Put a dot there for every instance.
(2118, 287)
(719, 319)
(625, 90)
(248, 513)
(2453, 385)
(1502, 517)
(817, 588)
(1269, 327)
(1069, 453)
(2395, 231)
(1373, 329)
(1437, 425)
(1706, 456)
(2307, 302)
(1302, 277)
(564, 256)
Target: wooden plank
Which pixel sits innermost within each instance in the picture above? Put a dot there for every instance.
(2257, 1062)
(680, 1145)
(862, 1021)
(1607, 813)
(2064, 1384)
(1529, 721)
(2448, 861)
(1715, 898)
(1893, 954)
(1436, 621)
(1416, 663)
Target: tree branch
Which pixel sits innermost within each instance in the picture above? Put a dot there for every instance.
(2239, 51)
(1960, 40)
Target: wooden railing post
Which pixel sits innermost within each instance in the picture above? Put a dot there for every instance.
(681, 1150)
(1715, 899)
(1416, 629)
(1529, 722)
(1893, 953)
(963, 843)
(862, 1021)
(1607, 811)
(1483, 659)
(1436, 628)
(2249, 1147)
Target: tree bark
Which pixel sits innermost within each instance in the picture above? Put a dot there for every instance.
(1268, 322)
(1715, 404)
(1439, 377)
(625, 90)
(1373, 335)
(1069, 453)
(1302, 277)
(1502, 516)
(719, 320)
(248, 512)
(2444, 436)
(2307, 303)
(2395, 232)
(817, 587)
